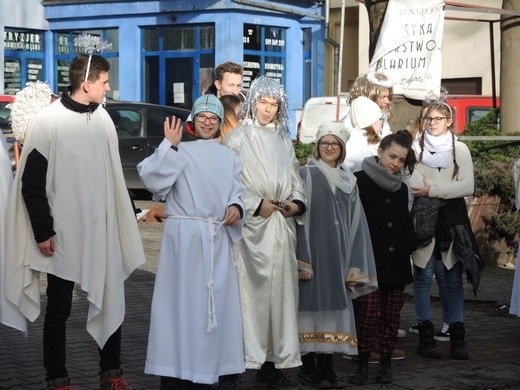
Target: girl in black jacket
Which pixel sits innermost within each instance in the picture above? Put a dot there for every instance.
(385, 200)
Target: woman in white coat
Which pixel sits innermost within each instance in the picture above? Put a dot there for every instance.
(439, 183)
(367, 121)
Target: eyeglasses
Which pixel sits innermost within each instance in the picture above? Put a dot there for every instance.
(333, 145)
(203, 118)
(436, 120)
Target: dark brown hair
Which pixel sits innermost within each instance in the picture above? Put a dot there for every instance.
(227, 67)
(372, 135)
(404, 139)
(78, 68)
(231, 119)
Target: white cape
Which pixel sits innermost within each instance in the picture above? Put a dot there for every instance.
(97, 239)
(9, 313)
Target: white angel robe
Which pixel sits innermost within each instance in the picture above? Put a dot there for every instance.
(97, 239)
(266, 259)
(515, 293)
(195, 329)
(9, 313)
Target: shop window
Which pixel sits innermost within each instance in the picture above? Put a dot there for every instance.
(151, 40)
(179, 38)
(23, 58)
(264, 53)
(65, 51)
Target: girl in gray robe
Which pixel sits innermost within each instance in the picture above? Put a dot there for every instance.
(335, 259)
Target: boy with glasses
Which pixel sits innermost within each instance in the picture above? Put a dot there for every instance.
(195, 328)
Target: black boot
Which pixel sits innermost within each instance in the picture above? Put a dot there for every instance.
(309, 374)
(168, 383)
(271, 377)
(229, 382)
(427, 346)
(360, 375)
(328, 371)
(458, 350)
(384, 374)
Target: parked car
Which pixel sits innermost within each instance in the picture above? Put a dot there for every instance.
(5, 113)
(318, 110)
(469, 108)
(140, 129)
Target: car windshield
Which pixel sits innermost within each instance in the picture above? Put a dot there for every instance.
(318, 114)
(5, 114)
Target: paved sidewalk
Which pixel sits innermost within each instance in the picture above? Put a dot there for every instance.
(493, 343)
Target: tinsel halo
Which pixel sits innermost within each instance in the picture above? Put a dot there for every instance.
(27, 103)
(380, 79)
(264, 86)
(91, 44)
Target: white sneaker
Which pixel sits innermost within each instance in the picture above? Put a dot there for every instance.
(443, 334)
(413, 329)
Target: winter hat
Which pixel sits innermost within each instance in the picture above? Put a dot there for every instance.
(208, 103)
(364, 112)
(333, 128)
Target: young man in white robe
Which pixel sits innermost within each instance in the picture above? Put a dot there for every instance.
(71, 217)
(195, 330)
(266, 260)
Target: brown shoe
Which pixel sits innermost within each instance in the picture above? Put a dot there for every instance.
(59, 384)
(397, 354)
(113, 380)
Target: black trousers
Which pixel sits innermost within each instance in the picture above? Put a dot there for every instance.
(59, 304)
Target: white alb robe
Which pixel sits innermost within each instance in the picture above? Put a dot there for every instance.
(9, 313)
(195, 329)
(515, 293)
(97, 239)
(266, 259)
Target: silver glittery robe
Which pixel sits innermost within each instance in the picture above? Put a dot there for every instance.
(266, 260)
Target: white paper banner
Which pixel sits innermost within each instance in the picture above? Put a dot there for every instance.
(409, 47)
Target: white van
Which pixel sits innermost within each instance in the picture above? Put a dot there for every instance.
(318, 110)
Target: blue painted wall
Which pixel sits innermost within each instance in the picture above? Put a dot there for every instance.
(228, 18)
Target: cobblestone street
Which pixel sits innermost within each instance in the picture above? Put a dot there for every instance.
(493, 342)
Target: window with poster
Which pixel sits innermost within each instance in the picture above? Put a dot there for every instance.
(264, 53)
(65, 51)
(23, 58)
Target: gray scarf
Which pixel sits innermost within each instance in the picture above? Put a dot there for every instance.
(390, 182)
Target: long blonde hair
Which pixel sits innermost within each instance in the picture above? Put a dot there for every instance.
(371, 85)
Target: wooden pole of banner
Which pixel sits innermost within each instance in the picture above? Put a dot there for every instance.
(16, 150)
(340, 64)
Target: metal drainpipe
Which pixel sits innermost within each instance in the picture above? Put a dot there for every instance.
(334, 44)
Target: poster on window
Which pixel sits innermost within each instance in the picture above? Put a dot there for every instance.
(12, 76)
(251, 70)
(34, 70)
(409, 47)
(62, 69)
